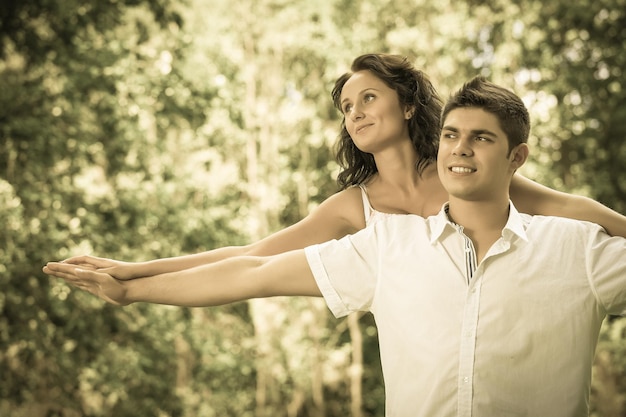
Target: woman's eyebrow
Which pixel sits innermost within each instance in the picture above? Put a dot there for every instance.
(360, 93)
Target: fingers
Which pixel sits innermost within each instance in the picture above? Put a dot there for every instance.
(96, 282)
(60, 267)
(87, 280)
(79, 259)
(82, 259)
(71, 275)
(92, 262)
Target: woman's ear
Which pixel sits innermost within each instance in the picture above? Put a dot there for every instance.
(408, 112)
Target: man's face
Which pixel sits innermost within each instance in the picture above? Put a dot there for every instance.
(474, 162)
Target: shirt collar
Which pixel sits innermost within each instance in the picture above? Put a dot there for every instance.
(515, 225)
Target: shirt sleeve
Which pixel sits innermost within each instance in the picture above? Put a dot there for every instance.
(346, 271)
(606, 267)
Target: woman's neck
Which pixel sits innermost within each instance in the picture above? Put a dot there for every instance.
(397, 167)
(400, 188)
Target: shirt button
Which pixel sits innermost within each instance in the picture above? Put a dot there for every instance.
(466, 379)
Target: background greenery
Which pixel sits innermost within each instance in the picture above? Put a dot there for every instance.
(137, 129)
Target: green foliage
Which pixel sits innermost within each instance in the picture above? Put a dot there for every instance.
(609, 388)
(136, 129)
(579, 68)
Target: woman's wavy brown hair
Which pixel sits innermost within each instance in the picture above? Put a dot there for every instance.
(414, 89)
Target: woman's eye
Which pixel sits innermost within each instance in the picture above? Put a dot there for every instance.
(369, 97)
(347, 108)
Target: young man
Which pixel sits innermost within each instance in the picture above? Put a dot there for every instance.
(481, 311)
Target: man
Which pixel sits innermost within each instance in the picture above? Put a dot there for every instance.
(481, 311)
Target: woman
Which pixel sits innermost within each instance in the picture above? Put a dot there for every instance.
(388, 143)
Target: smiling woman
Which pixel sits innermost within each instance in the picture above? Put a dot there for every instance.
(414, 94)
(374, 117)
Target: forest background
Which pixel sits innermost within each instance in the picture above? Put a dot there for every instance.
(137, 129)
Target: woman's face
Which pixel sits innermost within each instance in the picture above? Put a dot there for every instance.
(373, 115)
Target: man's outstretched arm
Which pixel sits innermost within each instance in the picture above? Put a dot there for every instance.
(223, 282)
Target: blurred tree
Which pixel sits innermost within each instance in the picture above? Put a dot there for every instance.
(84, 85)
(276, 90)
(578, 62)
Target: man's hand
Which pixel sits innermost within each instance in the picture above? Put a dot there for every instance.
(100, 284)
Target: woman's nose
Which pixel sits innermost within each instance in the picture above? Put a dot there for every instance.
(356, 114)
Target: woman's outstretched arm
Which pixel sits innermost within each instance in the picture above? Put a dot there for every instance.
(228, 281)
(339, 215)
(533, 198)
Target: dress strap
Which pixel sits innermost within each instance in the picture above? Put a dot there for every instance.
(367, 207)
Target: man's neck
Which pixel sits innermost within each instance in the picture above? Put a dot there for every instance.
(482, 221)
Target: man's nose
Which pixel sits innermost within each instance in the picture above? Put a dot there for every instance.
(463, 147)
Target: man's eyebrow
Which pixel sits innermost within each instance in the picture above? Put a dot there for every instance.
(483, 132)
(473, 132)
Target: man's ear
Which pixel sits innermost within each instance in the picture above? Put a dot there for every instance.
(518, 156)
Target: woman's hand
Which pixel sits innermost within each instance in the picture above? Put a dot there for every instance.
(117, 269)
(100, 284)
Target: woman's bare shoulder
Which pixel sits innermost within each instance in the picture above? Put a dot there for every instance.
(344, 207)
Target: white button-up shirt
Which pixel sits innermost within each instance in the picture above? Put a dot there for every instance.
(512, 336)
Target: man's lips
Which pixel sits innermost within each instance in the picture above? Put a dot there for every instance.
(461, 170)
